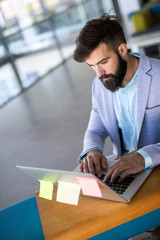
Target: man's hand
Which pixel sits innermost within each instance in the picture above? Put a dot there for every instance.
(94, 160)
(130, 163)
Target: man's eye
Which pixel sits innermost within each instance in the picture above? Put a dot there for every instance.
(104, 62)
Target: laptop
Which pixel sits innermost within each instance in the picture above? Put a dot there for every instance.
(117, 191)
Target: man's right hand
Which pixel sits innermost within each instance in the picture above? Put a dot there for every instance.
(94, 160)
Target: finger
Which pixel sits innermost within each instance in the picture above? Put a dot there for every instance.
(85, 165)
(81, 167)
(108, 175)
(120, 170)
(113, 172)
(94, 165)
(91, 167)
(110, 172)
(114, 175)
(124, 175)
(104, 163)
(98, 167)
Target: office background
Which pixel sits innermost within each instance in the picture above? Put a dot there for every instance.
(45, 97)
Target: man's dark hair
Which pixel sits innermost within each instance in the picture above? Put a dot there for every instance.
(105, 29)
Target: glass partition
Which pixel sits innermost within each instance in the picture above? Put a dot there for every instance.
(33, 67)
(37, 39)
(9, 86)
(2, 51)
(67, 25)
(36, 52)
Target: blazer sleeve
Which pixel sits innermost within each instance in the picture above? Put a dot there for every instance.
(153, 150)
(96, 132)
(148, 99)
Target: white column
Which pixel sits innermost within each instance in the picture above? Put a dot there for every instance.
(24, 19)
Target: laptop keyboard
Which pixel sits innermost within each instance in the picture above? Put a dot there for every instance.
(119, 187)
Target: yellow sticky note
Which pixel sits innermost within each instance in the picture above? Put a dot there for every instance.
(46, 190)
(68, 192)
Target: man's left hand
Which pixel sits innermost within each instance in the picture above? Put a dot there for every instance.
(125, 165)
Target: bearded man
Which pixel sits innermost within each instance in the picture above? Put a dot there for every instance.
(125, 102)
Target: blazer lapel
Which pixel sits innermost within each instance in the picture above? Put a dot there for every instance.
(143, 87)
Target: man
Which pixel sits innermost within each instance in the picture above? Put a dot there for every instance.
(125, 101)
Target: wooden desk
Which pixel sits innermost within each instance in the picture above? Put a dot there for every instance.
(95, 216)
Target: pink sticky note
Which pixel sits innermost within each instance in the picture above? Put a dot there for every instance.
(89, 186)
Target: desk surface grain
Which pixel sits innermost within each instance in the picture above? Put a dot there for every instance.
(93, 216)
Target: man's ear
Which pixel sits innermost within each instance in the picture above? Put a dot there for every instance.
(122, 50)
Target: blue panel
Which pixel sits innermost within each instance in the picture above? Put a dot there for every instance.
(122, 232)
(145, 222)
(21, 221)
(131, 228)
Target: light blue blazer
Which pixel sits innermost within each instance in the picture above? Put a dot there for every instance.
(103, 121)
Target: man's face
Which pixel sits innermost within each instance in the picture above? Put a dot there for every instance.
(108, 65)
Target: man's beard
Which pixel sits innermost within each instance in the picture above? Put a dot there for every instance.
(113, 81)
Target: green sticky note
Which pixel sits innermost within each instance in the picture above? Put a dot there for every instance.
(46, 190)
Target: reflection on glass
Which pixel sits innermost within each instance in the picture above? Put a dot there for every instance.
(37, 49)
(9, 86)
(2, 51)
(39, 38)
(32, 39)
(32, 67)
(69, 23)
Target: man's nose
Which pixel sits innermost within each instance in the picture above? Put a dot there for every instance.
(99, 70)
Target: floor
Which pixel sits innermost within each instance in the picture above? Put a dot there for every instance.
(44, 127)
